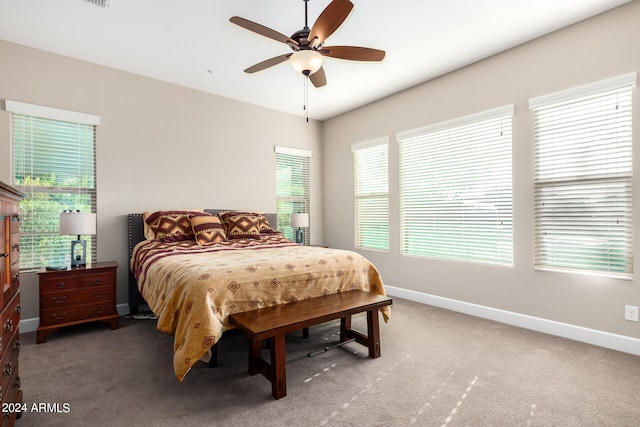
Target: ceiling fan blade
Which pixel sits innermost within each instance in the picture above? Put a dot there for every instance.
(319, 78)
(329, 20)
(262, 30)
(353, 53)
(268, 63)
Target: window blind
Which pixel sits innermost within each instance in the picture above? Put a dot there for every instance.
(292, 188)
(583, 178)
(53, 162)
(371, 195)
(456, 189)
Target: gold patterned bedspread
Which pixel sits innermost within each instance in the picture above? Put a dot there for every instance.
(193, 289)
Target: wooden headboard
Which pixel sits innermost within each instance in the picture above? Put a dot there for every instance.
(135, 229)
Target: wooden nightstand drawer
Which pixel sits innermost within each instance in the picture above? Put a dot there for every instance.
(55, 300)
(59, 283)
(97, 279)
(99, 293)
(77, 312)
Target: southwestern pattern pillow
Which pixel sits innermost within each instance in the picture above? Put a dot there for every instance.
(241, 226)
(149, 234)
(172, 226)
(263, 223)
(208, 230)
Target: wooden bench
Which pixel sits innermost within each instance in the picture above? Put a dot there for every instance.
(272, 323)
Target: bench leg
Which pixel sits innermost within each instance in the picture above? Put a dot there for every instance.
(371, 340)
(278, 372)
(345, 328)
(255, 357)
(373, 334)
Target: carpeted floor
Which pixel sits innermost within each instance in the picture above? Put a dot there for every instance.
(438, 368)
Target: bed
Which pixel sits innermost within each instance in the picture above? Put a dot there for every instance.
(193, 268)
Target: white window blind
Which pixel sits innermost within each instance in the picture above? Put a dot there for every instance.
(371, 194)
(456, 189)
(583, 178)
(292, 188)
(53, 162)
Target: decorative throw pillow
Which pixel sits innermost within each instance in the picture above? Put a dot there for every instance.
(208, 230)
(149, 234)
(241, 226)
(172, 226)
(263, 222)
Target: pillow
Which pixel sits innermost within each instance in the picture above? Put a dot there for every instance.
(172, 226)
(241, 226)
(149, 234)
(208, 229)
(263, 222)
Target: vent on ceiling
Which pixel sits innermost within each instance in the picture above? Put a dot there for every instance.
(101, 3)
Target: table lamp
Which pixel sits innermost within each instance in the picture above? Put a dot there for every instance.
(77, 223)
(299, 220)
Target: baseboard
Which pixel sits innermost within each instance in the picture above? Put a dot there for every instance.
(30, 325)
(591, 336)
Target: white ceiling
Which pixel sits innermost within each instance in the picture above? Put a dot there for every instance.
(192, 43)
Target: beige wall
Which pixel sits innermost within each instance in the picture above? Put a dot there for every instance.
(159, 146)
(605, 46)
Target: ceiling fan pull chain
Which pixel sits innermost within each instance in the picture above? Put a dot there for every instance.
(306, 96)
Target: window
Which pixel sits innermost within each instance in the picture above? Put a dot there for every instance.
(53, 162)
(455, 189)
(583, 176)
(371, 194)
(292, 188)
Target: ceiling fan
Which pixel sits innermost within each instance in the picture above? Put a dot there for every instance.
(308, 43)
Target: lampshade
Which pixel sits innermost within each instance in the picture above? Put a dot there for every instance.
(306, 62)
(299, 220)
(77, 223)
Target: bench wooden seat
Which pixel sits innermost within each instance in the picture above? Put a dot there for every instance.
(272, 323)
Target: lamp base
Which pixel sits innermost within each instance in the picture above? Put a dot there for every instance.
(299, 236)
(78, 253)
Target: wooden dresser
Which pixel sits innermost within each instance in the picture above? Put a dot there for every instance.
(10, 301)
(77, 295)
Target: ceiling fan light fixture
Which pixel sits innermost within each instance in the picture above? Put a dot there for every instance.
(306, 62)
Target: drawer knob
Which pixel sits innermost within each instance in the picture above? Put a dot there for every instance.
(97, 281)
(100, 294)
(4, 255)
(61, 285)
(16, 247)
(18, 309)
(99, 311)
(9, 325)
(59, 317)
(16, 346)
(15, 216)
(8, 368)
(58, 301)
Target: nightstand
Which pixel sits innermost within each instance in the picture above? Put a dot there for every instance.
(77, 295)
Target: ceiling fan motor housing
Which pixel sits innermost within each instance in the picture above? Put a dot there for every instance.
(301, 36)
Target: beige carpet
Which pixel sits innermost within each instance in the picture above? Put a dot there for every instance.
(438, 368)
